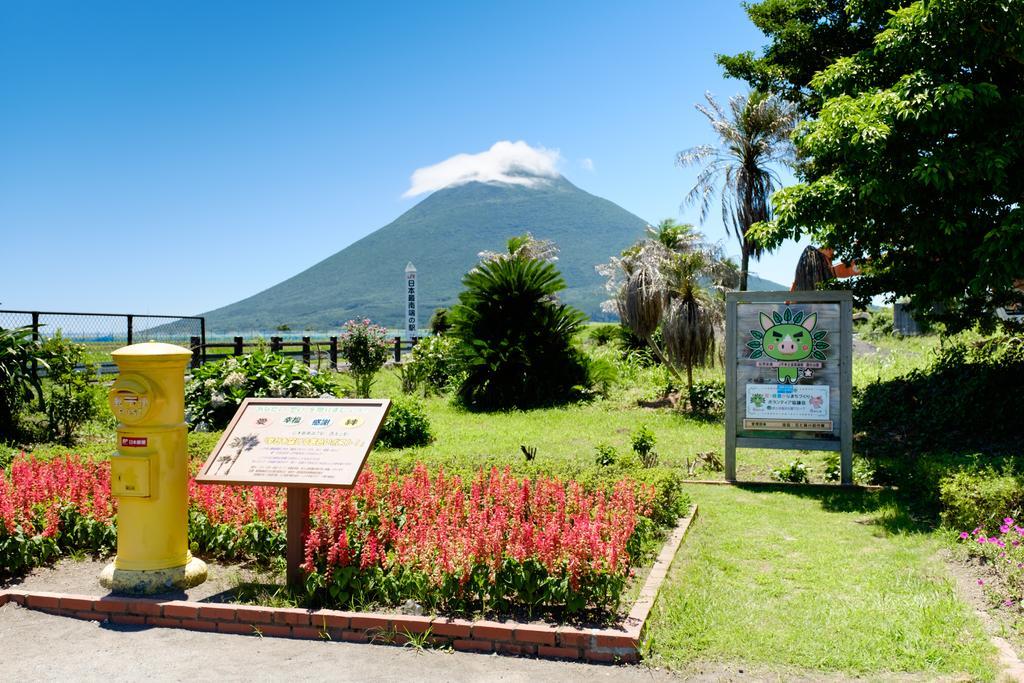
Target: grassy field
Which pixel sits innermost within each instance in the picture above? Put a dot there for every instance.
(782, 578)
(813, 579)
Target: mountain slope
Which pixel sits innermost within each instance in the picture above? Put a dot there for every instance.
(442, 236)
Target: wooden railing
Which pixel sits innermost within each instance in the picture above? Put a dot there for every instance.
(306, 348)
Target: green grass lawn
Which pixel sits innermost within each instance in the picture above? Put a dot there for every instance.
(813, 579)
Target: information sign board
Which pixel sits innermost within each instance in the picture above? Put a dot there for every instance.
(789, 373)
(296, 442)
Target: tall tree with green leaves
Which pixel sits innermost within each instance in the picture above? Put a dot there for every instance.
(911, 166)
(805, 37)
(753, 138)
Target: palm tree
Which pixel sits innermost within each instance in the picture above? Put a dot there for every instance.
(692, 316)
(753, 136)
(656, 284)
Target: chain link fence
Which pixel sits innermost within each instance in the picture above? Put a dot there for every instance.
(102, 333)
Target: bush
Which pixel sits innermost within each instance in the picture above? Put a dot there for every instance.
(707, 397)
(365, 347)
(406, 426)
(979, 498)
(603, 333)
(516, 337)
(217, 389)
(439, 323)
(18, 383)
(71, 399)
(602, 375)
(880, 324)
(606, 455)
(643, 445)
(863, 473)
(961, 403)
(795, 473)
(437, 363)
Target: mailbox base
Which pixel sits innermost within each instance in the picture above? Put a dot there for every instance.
(153, 581)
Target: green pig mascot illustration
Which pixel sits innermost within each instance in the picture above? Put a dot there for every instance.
(788, 336)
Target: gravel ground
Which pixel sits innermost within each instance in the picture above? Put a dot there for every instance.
(40, 646)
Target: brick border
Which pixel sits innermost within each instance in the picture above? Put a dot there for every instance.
(611, 645)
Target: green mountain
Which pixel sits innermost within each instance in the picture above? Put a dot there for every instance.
(442, 236)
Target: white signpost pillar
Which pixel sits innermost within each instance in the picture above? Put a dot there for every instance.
(411, 322)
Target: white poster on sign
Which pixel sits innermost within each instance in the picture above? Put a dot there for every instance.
(787, 401)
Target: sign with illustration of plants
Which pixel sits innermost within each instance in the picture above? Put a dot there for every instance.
(786, 376)
(296, 442)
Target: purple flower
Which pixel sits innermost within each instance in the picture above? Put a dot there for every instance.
(1008, 520)
(1003, 529)
(964, 534)
(980, 582)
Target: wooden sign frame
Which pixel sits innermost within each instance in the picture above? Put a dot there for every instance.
(297, 491)
(738, 349)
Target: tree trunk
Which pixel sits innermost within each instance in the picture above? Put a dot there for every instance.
(744, 264)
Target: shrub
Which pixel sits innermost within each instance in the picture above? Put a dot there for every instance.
(863, 473)
(18, 383)
(795, 472)
(605, 455)
(880, 324)
(961, 403)
(71, 399)
(217, 389)
(707, 397)
(603, 333)
(516, 337)
(406, 426)
(643, 445)
(979, 498)
(365, 347)
(602, 374)
(439, 323)
(437, 362)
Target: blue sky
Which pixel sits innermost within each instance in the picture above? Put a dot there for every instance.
(165, 157)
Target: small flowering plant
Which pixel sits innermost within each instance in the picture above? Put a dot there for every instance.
(1003, 553)
(365, 348)
(217, 389)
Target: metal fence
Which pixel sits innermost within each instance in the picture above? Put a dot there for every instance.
(105, 332)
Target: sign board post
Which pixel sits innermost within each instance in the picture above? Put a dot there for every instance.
(299, 444)
(411, 321)
(789, 374)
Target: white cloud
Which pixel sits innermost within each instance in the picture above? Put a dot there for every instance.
(587, 164)
(505, 162)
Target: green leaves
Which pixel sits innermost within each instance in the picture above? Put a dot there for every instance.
(906, 162)
(515, 336)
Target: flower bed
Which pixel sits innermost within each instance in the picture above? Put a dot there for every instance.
(495, 544)
(1004, 554)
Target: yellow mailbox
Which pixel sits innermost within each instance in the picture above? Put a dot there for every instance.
(149, 472)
